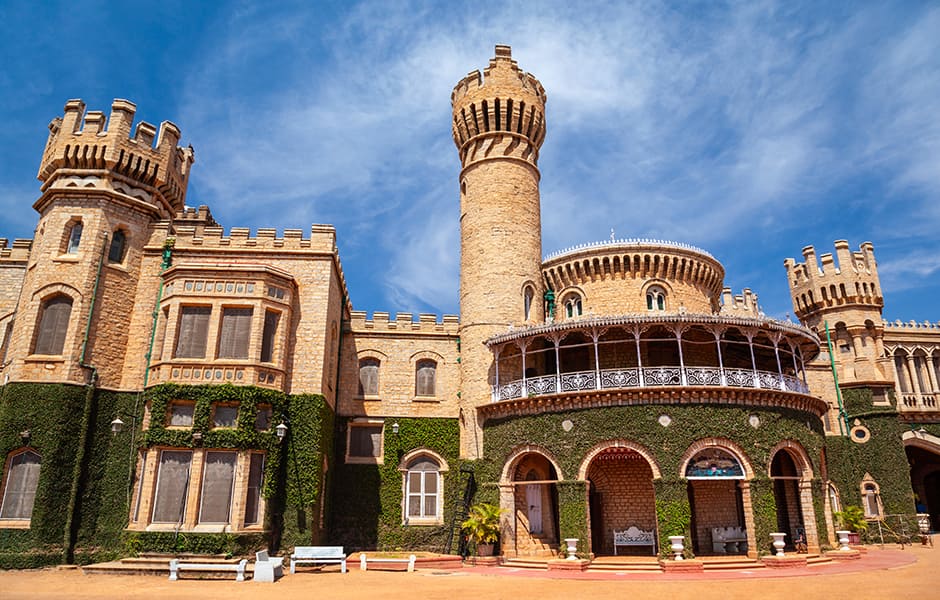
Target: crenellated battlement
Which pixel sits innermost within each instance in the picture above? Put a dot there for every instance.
(322, 238)
(151, 157)
(912, 325)
(403, 322)
(499, 113)
(846, 278)
(200, 218)
(18, 252)
(743, 304)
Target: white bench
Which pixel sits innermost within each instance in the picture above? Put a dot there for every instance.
(634, 536)
(313, 555)
(268, 568)
(365, 560)
(176, 566)
(727, 540)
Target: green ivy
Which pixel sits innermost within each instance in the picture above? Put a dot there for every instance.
(673, 514)
(367, 499)
(572, 514)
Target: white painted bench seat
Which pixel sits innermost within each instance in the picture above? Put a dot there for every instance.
(634, 536)
(268, 568)
(727, 540)
(313, 555)
(177, 565)
(365, 560)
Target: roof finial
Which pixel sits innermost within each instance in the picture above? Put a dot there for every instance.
(612, 237)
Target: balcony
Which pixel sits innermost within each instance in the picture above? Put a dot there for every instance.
(217, 372)
(647, 377)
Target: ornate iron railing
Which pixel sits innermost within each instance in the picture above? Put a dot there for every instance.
(613, 379)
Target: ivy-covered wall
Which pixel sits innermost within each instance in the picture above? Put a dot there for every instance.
(640, 424)
(87, 474)
(367, 499)
(882, 456)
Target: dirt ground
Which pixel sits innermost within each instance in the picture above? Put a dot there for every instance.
(909, 573)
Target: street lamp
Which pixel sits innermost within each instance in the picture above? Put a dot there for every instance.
(281, 432)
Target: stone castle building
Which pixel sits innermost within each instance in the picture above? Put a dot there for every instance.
(170, 385)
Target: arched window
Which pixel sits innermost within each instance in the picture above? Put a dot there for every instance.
(118, 246)
(423, 490)
(714, 463)
(369, 377)
(19, 487)
(871, 499)
(834, 504)
(53, 325)
(573, 306)
(527, 297)
(656, 298)
(75, 237)
(425, 376)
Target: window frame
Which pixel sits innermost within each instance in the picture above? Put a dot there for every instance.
(215, 410)
(178, 350)
(117, 243)
(424, 364)
(573, 305)
(404, 467)
(59, 335)
(179, 403)
(19, 521)
(377, 458)
(73, 237)
(373, 391)
(231, 330)
(656, 298)
(202, 486)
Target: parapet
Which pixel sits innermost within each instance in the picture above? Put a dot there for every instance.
(503, 101)
(741, 305)
(17, 253)
(200, 218)
(151, 157)
(403, 323)
(202, 235)
(846, 278)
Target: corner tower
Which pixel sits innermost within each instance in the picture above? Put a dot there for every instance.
(844, 292)
(499, 126)
(104, 184)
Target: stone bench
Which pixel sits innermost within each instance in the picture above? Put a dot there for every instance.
(177, 565)
(365, 560)
(268, 568)
(312, 555)
(634, 536)
(729, 540)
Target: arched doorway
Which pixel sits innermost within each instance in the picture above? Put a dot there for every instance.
(530, 499)
(716, 500)
(923, 456)
(621, 495)
(786, 478)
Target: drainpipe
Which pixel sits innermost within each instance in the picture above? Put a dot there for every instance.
(167, 261)
(87, 430)
(843, 417)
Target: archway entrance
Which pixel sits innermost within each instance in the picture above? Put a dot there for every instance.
(718, 525)
(621, 496)
(786, 477)
(925, 481)
(535, 499)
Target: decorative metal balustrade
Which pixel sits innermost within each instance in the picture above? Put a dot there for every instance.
(614, 379)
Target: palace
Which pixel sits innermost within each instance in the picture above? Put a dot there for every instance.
(169, 385)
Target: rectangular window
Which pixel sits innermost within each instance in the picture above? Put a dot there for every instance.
(193, 331)
(218, 478)
(255, 479)
(234, 333)
(271, 319)
(169, 504)
(224, 416)
(365, 443)
(181, 414)
(263, 418)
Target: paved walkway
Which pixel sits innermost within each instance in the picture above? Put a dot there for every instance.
(909, 573)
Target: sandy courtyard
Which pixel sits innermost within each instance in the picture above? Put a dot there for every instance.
(910, 573)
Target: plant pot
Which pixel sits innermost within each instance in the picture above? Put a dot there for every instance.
(677, 545)
(854, 538)
(778, 542)
(843, 540)
(572, 548)
(484, 549)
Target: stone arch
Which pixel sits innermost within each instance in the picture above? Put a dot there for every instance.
(52, 289)
(618, 443)
(422, 451)
(799, 455)
(714, 442)
(519, 453)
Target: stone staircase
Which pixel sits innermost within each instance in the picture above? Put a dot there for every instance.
(628, 564)
(536, 546)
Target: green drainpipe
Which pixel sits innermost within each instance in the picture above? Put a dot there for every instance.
(167, 261)
(843, 417)
(72, 520)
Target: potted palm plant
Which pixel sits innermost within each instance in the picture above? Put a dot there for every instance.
(482, 526)
(852, 519)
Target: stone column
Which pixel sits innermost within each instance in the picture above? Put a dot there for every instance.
(507, 520)
(809, 515)
(745, 487)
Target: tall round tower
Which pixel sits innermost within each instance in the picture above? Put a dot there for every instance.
(499, 125)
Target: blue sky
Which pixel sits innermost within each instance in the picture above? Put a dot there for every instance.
(749, 129)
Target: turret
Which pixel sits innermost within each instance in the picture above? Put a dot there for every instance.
(843, 291)
(499, 125)
(106, 184)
